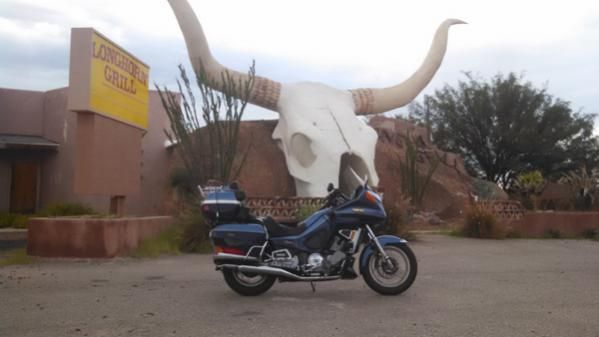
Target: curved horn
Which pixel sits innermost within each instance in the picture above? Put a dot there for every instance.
(265, 92)
(372, 101)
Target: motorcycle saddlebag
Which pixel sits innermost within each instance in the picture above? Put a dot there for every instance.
(237, 238)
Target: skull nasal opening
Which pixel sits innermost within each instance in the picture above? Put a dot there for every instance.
(347, 180)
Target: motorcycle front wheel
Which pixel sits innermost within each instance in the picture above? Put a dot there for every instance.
(394, 276)
(248, 284)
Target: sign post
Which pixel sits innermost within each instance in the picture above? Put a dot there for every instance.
(108, 88)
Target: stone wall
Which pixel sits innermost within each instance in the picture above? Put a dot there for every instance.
(567, 224)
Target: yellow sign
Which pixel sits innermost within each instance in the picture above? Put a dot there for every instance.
(118, 83)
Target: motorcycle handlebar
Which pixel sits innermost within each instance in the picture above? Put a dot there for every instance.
(334, 197)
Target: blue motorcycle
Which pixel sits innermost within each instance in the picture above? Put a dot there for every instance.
(253, 253)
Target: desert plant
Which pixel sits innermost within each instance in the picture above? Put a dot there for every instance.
(188, 234)
(552, 234)
(206, 141)
(182, 181)
(481, 223)
(413, 183)
(166, 242)
(6, 219)
(591, 233)
(66, 209)
(527, 186)
(529, 182)
(194, 231)
(399, 212)
(20, 221)
(207, 144)
(584, 187)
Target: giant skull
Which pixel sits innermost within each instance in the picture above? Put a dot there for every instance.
(322, 138)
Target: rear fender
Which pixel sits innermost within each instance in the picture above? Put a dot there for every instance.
(384, 240)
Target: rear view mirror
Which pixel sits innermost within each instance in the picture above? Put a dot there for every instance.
(330, 187)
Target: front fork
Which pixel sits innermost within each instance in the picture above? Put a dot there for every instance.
(377, 244)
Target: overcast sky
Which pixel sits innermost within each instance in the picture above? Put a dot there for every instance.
(346, 44)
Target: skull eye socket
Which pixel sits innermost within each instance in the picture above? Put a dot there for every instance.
(301, 149)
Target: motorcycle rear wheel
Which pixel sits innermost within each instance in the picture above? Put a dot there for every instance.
(394, 277)
(248, 284)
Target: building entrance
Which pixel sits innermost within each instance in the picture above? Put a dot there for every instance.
(23, 187)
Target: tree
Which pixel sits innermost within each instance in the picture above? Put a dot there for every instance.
(505, 126)
(207, 142)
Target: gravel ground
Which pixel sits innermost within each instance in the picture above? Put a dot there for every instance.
(464, 288)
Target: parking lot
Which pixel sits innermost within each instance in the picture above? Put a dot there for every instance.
(464, 287)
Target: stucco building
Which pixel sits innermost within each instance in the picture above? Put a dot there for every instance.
(38, 155)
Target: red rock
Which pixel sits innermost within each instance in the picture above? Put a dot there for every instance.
(264, 172)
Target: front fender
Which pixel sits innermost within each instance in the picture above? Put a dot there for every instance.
(384, 240)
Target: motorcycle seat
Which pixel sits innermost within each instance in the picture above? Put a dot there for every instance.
(276, 229)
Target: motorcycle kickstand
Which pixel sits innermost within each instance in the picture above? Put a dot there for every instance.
(313, 287)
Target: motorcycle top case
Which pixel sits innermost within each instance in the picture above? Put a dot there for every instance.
(222, 205)
(240, 236)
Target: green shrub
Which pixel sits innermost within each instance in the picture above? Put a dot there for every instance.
(590, 233)
(13, 220)
(189, 234)
(66, 209)
(305, 211)
(527, 187)
(513, 234)
(552, 234)
(20, 221)
(183, 182)
(194, 231)
(167, 242)
(480, 223)
(584, 188)
(398, 217)
(6, 219)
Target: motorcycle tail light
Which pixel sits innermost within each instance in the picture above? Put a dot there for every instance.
(228, 250)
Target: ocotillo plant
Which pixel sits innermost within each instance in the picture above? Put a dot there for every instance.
(413, 183)
(207, 144)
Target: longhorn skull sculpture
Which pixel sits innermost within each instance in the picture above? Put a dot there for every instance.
(318, 131)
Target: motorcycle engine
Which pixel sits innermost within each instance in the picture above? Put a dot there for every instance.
(318, 264)
(282, 259)
(313, 263)
(339, 249)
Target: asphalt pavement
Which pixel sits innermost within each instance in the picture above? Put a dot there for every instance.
(465, 287)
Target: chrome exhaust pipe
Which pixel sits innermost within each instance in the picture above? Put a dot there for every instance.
(223, 257)
(265, 270)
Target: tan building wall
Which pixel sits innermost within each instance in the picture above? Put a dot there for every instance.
(21, 112)
(45, 114)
